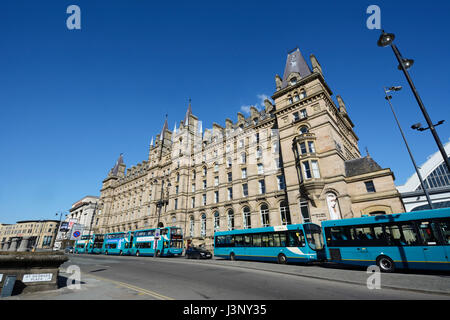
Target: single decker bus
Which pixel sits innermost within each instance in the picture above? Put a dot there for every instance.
(282, 244)
(413, 240)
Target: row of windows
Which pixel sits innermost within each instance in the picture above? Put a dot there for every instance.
(410, 233)
(246, 215)
(268, 239)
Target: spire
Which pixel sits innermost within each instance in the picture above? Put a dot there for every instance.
(188, 113)
(151, 142)
(163, 131)
(295, 63)
(119, 161)
(175, 128)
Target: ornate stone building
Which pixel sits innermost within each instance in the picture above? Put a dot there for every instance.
(295, 161)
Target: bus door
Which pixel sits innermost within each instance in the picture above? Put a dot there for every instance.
(433, 248)
(445, 232)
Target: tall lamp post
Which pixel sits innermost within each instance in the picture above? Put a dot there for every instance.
(386, 39)
(388, 98)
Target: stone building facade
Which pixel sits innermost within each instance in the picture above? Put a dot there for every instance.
(296, 160)
(39, 234)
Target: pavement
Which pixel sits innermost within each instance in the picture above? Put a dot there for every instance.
(93, 286)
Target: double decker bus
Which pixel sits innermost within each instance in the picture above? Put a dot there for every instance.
(413, 240)
(81, 245)
(282, 244)
(116, 243)
(146, 242)
(95, 244)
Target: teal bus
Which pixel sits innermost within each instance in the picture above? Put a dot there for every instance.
(413, 240)
(282, 244)
(81, 245)
(95, 244)
(147, 243)
(116, 243)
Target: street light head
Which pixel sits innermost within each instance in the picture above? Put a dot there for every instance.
(416, 126)
(397, 88)
(407, 63)
(385, 39)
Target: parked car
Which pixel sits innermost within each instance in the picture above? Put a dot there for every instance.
(197, 253)
(68, 250)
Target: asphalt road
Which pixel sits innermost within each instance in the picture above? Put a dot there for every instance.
(182, 279)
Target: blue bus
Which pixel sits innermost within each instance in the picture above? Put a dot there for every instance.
(95, 244)
(81, 245)
(416, 240)
(116, 243)
(170, 242)
(282, 244)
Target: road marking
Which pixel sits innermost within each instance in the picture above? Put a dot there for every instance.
(141, 291)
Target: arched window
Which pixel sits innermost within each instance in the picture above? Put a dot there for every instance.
(203, 225)
(285, 213)
(247, 218)
(303, 129)
(216, 221)
(264, 210)
(302, 94)
(191, 226)
(230, 216)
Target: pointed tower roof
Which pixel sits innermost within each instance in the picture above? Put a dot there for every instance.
(295, 63)
(119, 161)
(163, 131)
(188, 113)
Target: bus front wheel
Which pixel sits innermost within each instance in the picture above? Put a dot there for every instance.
(385, 264)
(282, 259)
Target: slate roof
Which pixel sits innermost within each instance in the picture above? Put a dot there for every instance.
(359, 166)
(295, 63)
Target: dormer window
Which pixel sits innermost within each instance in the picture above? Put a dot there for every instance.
(293, 81)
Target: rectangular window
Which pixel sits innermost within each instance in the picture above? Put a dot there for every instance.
(315, 169)
(230, 193)
(296, 116)
(303, 114)
(193, 202)
(370, 187)
(311, 147)
(204, 199)
(230, 177)
(216, 181)
(245, 190)
(256, 240)
(244, 173)
(303, 148)
(216, 196)
(262, 186)
(281, 184)
(260, 168)
(176, 204)
(193, 187)
(306, 170)
(204, 184)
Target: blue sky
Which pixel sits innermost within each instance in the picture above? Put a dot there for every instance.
(72, 100)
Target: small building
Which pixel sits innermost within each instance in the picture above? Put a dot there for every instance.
(41, 234)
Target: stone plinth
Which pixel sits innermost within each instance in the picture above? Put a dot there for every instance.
(35, 271)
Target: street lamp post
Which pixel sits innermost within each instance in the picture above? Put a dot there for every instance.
(386, 39)
(388, 98)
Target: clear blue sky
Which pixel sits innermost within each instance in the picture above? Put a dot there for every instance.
(72, 100)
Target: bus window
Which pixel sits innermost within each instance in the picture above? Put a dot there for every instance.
(270, 236)
(264, 240)
(445, 229)
(257, 240)
(248, 240)
(428, 232)
(393, 235)
(338, 236)
(283, 239)
(296, 239)
(276, 240)
(239, 241)
(409, 234)
(314, 236)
